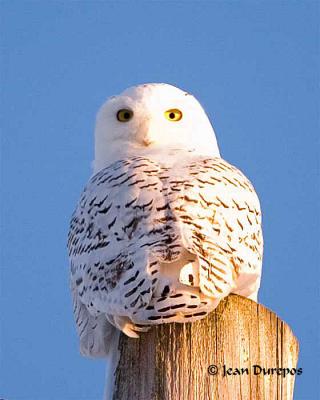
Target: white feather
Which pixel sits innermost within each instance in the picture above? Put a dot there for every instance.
(164, 229)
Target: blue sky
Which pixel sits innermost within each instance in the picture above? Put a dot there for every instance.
(253, 65)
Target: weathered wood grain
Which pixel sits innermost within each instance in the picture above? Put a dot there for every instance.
(171, 361)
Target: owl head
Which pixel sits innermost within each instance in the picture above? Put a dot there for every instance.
(151, 119)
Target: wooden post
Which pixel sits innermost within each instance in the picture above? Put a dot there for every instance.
(171, 361)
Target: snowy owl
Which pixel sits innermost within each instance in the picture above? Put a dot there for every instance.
(165, 228)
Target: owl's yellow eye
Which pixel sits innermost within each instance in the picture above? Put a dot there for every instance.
(173, 115)
(124, 115)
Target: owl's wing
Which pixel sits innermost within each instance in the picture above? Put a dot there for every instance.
(219, 219)
(223, 226)
(111, 274)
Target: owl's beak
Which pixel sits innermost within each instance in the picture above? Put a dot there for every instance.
(147, 130)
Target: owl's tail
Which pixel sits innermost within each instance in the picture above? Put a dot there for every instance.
(112, 359)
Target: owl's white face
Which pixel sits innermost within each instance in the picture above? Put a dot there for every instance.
(151, 119)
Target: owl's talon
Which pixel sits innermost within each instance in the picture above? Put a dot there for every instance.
(141, 328)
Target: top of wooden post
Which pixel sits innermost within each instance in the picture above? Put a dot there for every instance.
(242, 350)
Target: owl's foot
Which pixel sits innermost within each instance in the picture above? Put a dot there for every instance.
(125, 325)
